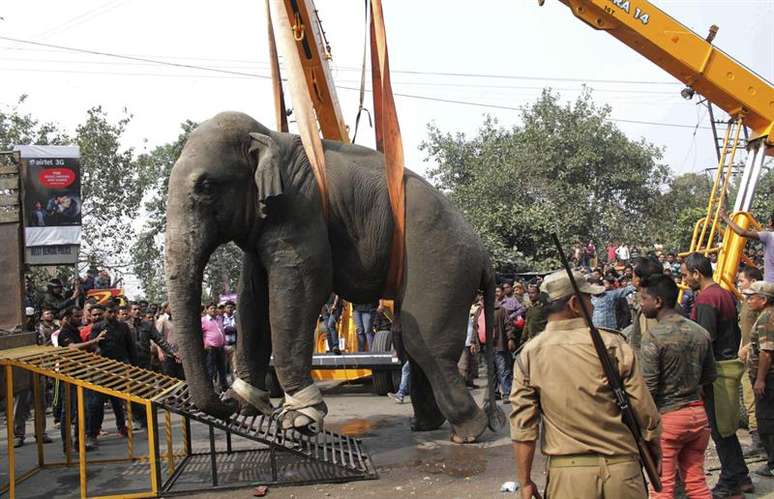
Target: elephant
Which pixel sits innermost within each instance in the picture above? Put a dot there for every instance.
(236, 180)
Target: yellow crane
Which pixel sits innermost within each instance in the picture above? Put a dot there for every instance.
(725, 82)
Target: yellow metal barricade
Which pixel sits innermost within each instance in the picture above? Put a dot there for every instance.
(87, 371)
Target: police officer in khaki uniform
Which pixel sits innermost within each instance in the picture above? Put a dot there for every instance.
(558, 379)
(760, 365)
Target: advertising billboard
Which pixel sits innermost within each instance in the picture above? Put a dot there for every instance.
(52, 203)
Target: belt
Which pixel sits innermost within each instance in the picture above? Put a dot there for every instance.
(573, 460)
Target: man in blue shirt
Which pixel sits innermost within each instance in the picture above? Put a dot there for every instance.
(604, 305)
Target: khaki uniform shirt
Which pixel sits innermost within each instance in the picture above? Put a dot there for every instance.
(747, 318)
(761, 338)
(558, 378)
(535, 321)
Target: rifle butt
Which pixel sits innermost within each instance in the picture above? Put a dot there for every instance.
(650, 464)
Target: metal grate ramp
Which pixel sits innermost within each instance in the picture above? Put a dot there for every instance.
(339, 456)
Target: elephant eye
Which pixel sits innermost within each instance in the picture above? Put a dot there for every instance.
(205, 186)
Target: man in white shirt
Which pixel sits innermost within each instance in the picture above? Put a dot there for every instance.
(623, 253)
(229, 325)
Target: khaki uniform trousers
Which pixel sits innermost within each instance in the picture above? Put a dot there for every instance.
(748, 398)
(593, 476)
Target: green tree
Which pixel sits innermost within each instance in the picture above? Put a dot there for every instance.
(118, 188)
(112, 183)
(566, 168)
(763, 203)
(17, 127)
(685, 201)
(221, 274)
(679, 207)
(112, 187)
(147, 251)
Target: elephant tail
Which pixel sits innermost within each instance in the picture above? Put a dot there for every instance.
(495, 415)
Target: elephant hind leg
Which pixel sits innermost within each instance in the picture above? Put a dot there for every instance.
(439, 391)
(427, 415)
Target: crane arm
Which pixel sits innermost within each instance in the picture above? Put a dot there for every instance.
(314, 57)
(685, 55)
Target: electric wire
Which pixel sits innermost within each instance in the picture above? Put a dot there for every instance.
(700, 116)
(398, 82)
(83, 17)
(156, 60)
(134, 58)
(267, 77)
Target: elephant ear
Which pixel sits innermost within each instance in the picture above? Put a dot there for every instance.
(268, 179)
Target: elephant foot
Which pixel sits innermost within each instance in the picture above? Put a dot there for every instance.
(303, 422)
(251, 400)
(423, 424)
(244, 407)
(427, 415)
(470, 431)
(456, 439)
(221, 409)
(303, 411)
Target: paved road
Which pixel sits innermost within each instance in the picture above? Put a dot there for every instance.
(427, 464)
(409, 464)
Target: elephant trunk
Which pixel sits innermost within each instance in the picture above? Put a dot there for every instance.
(187, 252)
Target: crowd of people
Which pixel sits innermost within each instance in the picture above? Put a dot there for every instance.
(683, 364)
(143, 334)
(138, 333)
(685, 348)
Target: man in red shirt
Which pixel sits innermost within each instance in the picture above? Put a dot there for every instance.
(715, 310)
(611, 253)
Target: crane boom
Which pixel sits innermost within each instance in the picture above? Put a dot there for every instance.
(723, 81)
(314, 60)
(687, 56)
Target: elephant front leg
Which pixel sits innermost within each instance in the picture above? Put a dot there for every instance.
(296, 295)
(253, 347)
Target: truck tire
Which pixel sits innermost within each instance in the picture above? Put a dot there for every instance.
(384, 381)
(273, 385)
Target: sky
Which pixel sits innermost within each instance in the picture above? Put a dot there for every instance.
(495, 53)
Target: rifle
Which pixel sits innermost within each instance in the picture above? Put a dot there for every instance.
(647, 459)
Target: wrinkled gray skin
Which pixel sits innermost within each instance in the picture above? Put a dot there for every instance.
(260, 192)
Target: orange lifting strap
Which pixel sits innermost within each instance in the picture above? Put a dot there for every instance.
(388, 138)
(388, 141)
(302, 104)
(280, 115)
